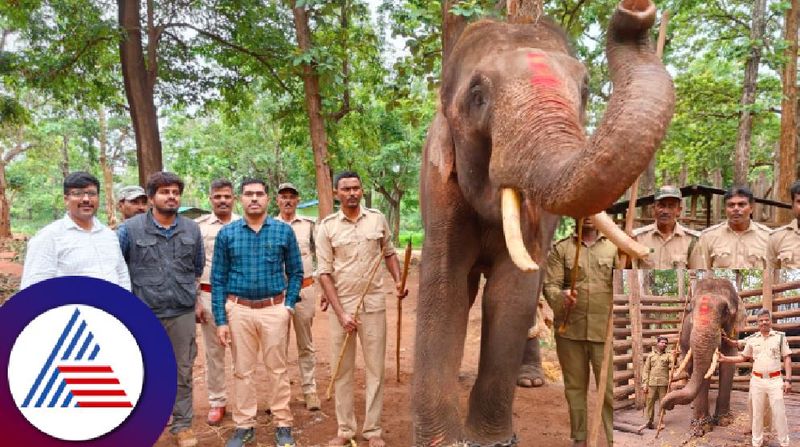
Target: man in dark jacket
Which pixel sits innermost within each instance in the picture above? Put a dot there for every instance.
(164, 252)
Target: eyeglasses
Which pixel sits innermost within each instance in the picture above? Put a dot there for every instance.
(78, 194)
(254, 194)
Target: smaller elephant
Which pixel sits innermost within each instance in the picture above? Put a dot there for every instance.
(715, 309)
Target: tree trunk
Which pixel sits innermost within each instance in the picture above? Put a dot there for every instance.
(64, 156)
(5, 214)
(139, 83)
(788, 142)
(316, 123)
(452, 27)
(741, 162)
(105, 165)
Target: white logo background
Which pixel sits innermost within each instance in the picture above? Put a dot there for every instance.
(118, 349)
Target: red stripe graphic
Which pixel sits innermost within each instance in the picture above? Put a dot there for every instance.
(97, 381)
(104, 404)
(85, 369)
(98, 392)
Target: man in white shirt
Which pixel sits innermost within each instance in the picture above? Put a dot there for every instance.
(77, 244)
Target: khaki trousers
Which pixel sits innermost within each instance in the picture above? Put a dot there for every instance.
(267, 329)
(575, 356)
(654, 394)
(372, 335)
(306, 355)
(215, 356)
(770, 391)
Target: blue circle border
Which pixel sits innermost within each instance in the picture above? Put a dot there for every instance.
(147, 420)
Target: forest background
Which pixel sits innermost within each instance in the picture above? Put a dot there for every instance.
(296, 90)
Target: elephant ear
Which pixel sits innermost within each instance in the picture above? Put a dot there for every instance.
(439, 148)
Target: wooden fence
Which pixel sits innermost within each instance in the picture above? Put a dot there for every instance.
(639, 317)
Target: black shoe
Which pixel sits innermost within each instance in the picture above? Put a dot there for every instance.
(283, 437)
(650, 426)
(241, 436)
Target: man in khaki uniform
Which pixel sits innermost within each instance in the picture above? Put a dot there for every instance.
(303, 317)
(767, 349)
(737, 243)
(783, 248)
(582, 343)
(349, 244)
(221, 198)
(671, 242)
(655, 376)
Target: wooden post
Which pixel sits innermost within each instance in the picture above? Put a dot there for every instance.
(636, 333)
(766, 296)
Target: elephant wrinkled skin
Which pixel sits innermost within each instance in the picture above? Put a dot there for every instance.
(715, 308)
(511, 118)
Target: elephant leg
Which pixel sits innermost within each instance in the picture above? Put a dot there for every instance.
(722, 411)
(442, 317)
(508, 309)
(531, 374)
(701, 421)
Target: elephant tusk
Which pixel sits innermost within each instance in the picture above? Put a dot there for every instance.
(510, 202)
(606, 225)
(713, 366)
(683, 363)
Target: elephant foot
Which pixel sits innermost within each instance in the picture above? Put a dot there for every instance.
(724, 419)
(701, 426)
(509, 443)
(530, 377)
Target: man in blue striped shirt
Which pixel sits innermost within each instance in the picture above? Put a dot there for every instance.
(252, 306)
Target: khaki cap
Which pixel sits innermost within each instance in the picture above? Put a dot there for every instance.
(668, 191)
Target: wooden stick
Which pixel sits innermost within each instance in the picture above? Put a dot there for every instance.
(573, 275)
(355, 316)
(596, 417)
(406, 264)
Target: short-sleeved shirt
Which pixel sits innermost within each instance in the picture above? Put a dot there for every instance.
(721, 247)
(304, 231)
(62, 248)
(348, 250)
(669, 252)
(589, 317)
(783, 248)
(766, 352)
(656, 368)
(209, 227)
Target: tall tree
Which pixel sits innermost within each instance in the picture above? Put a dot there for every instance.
(741, 159)
(316, 122)
(788, 142)
(140, 80)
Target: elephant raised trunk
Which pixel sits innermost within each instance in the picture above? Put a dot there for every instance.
(548, 159)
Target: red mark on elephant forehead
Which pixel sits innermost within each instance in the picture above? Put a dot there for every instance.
(541, 73)
(704, 309)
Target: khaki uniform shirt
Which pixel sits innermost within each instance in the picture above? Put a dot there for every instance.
(588, 319)
(783, 248)
(304, 232)
(721, 247)
(669, 253)
(348, 250)
(767, 352)
(656, 368)
(209, 227)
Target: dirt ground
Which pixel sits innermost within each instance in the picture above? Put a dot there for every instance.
(540, 414)
(677, 428)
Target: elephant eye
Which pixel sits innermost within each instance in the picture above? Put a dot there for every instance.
(476, 96)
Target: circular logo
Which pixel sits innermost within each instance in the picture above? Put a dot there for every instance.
(86, 363)
(68, 364)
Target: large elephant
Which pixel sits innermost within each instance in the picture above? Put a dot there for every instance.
(715, 309)
(510, 125)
